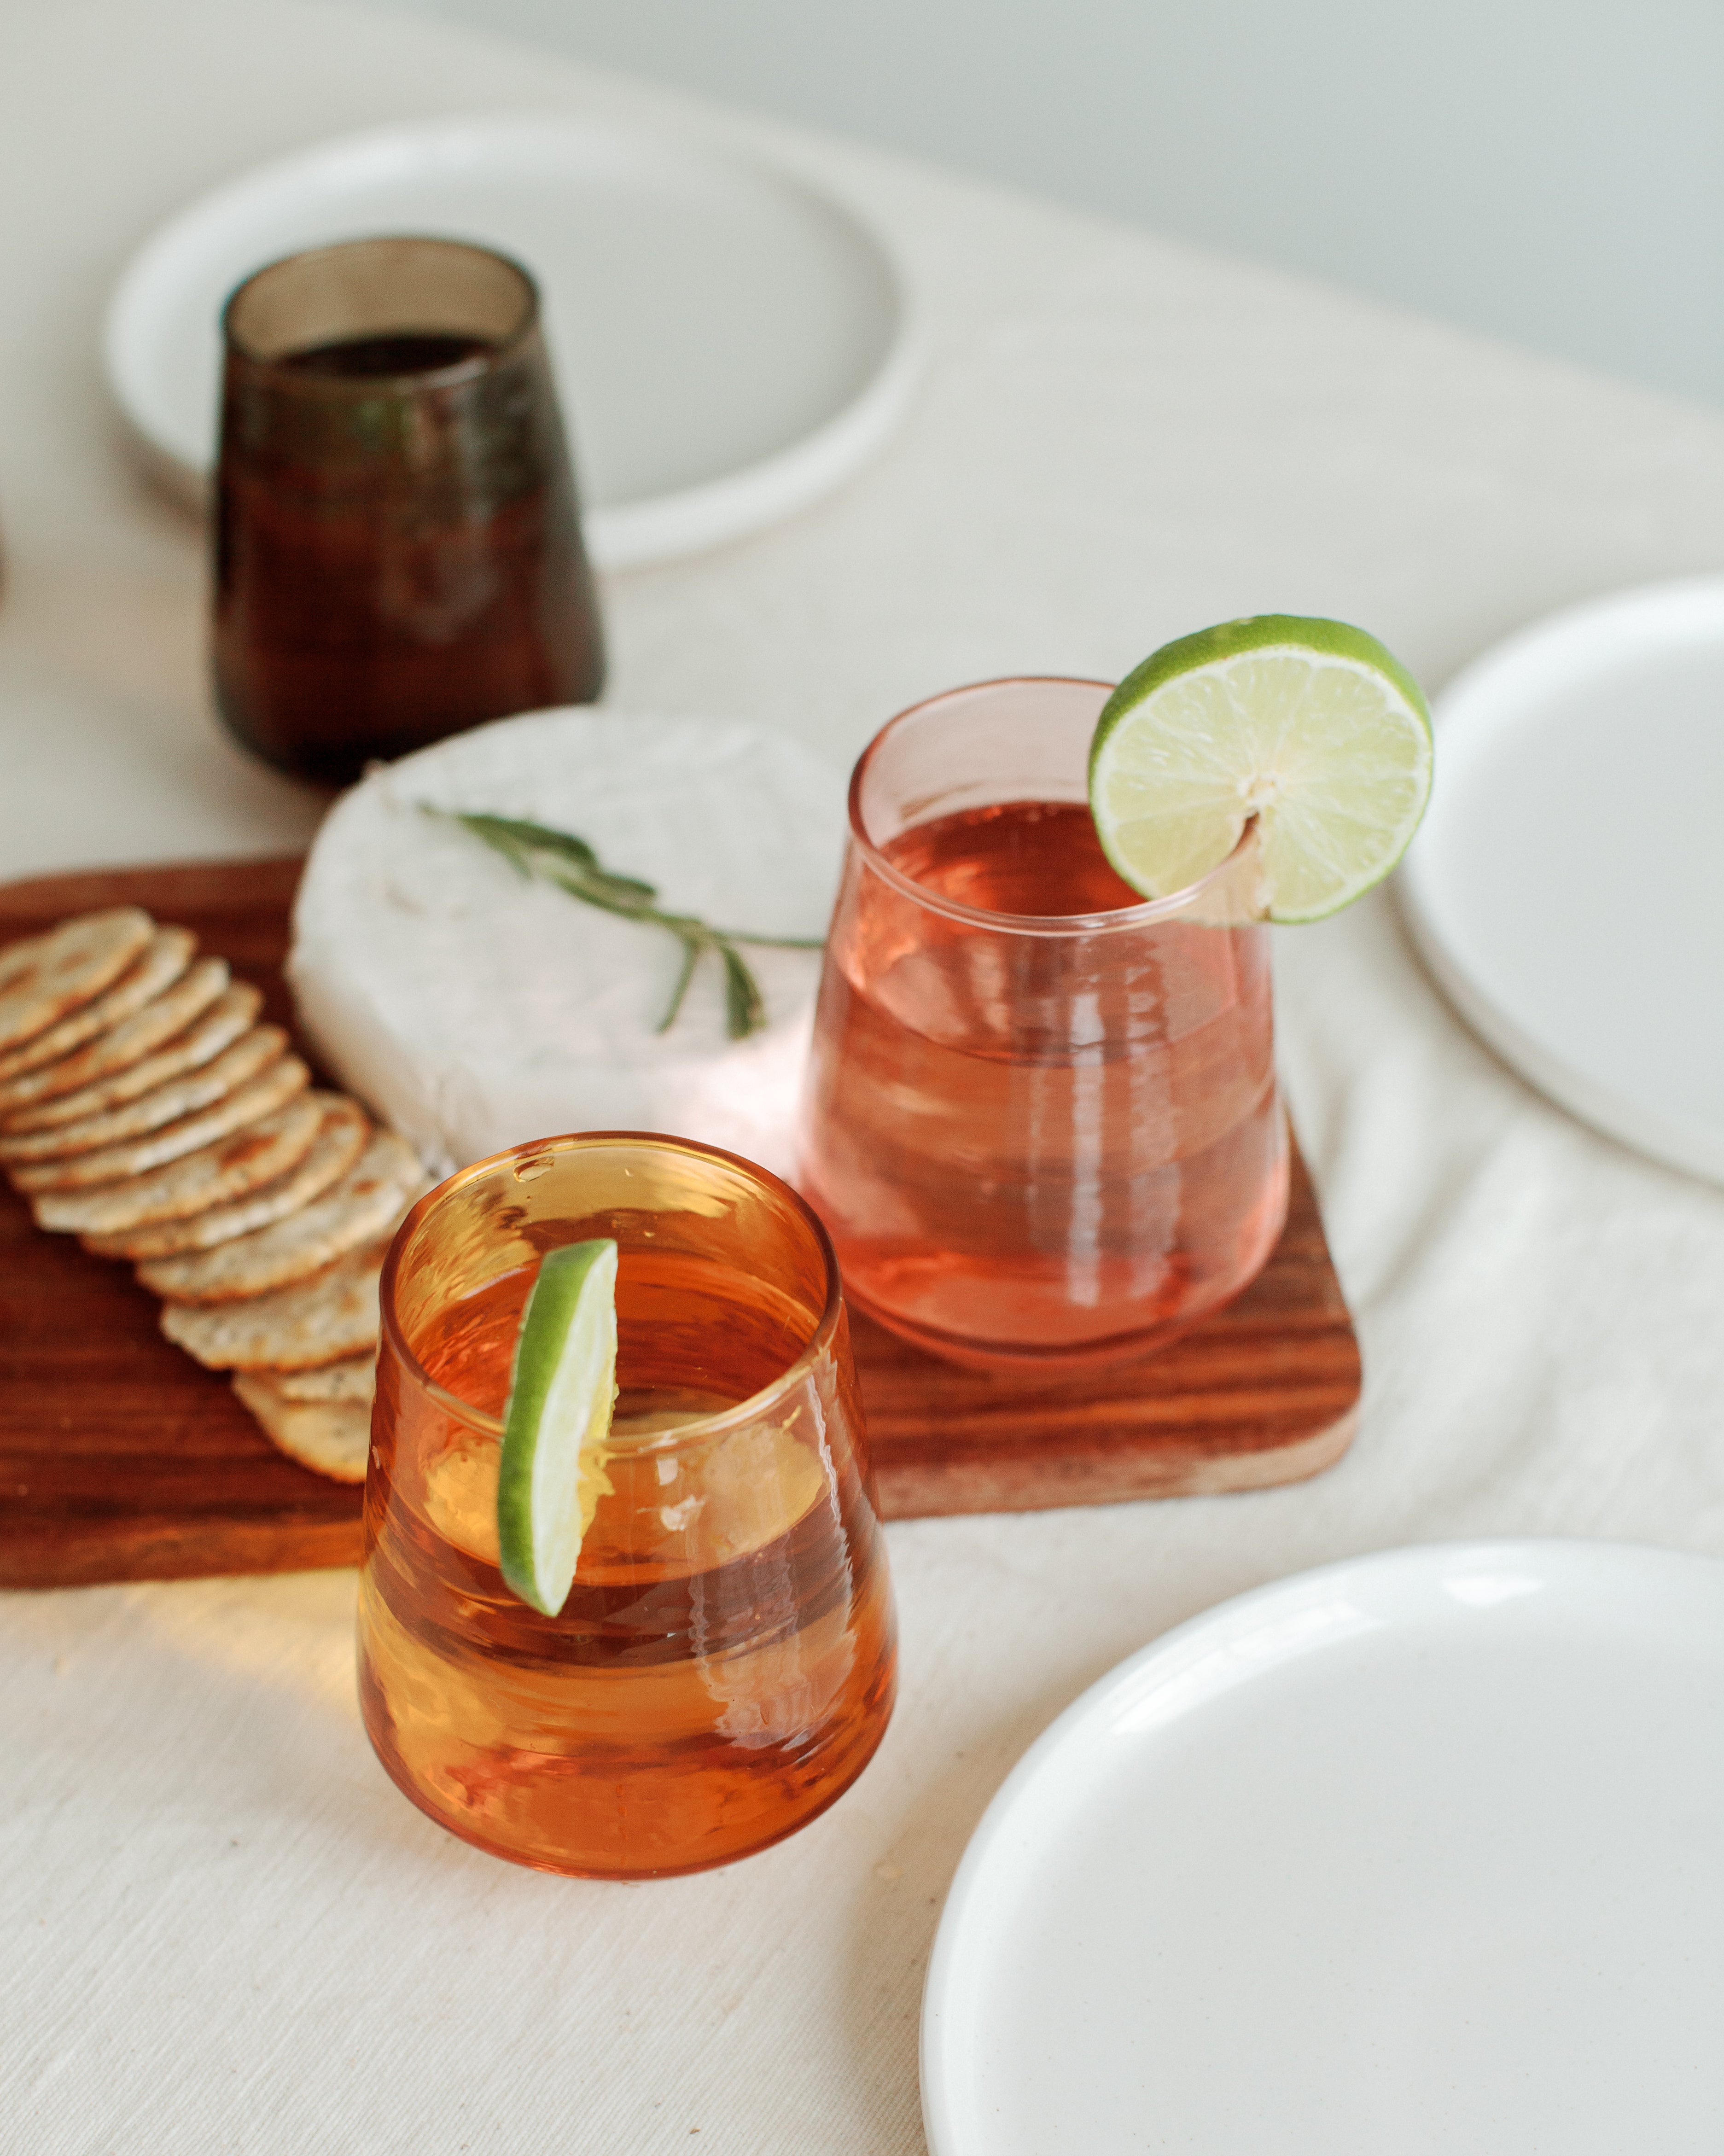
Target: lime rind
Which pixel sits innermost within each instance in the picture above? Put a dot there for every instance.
(1310, 726)
(551, 1473)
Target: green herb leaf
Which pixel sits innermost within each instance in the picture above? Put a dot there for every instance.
(519, 839)
(520, 832)
(559, 857)
(692, 947)
(744, 1007)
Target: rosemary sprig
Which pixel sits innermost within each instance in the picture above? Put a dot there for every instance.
(559, 857)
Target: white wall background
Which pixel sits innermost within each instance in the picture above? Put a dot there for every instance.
(1547, 170)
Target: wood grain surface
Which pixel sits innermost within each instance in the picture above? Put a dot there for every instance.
(122, 1459)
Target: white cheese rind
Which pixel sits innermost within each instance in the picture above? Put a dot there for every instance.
(474, 1010)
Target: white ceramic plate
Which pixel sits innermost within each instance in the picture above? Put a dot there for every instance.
(1568, 888)
(1421, 1853)
(730, 344)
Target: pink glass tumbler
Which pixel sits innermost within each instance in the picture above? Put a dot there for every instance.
(1041, 1119)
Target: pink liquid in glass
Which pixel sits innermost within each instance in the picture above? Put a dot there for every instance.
(1036, 1134)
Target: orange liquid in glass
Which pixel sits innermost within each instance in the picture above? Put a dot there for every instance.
(724, 1667)
(1023, 1148)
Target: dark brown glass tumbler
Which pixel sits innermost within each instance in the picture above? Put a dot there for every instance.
(397, 544)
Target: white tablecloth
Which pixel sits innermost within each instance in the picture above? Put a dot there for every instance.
(224, 1928)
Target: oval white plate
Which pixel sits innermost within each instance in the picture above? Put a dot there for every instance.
(730, 344)
(1423, 1852)
(1568, 888)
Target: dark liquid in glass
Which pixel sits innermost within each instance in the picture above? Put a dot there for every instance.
(398, 551)
(407, 352)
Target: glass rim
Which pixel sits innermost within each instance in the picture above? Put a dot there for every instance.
(699, 1430)
(335, 386)
(1117, 920)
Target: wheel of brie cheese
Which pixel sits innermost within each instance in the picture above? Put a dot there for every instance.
(476, 1009)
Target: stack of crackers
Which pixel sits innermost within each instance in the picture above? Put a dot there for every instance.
(144, 1110)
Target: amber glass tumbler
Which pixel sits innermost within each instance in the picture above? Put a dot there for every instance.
(397, 545)
(724, 1667)
(1041, 1119)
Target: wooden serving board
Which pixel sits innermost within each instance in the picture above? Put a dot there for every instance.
(122, 1459)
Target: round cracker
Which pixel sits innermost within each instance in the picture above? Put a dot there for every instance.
(368, 1202)
(331, 1437)
(227, 1020)
(161, 963)
(340, 1140)
(243, 1107)
(213, 1176)
(253, 1052)
(329, 1319)
(125, 1047)
(45, 978)
(354, 1380)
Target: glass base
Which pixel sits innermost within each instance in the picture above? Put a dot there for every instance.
(786, 1819)
(1054, 1361)
(1051, 1363)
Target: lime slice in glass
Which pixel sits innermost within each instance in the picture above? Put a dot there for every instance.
(552, 1473)
(1308, 725)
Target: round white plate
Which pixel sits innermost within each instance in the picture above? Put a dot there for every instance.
(1568, 888)
(730, 344)
(1421, 1853)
